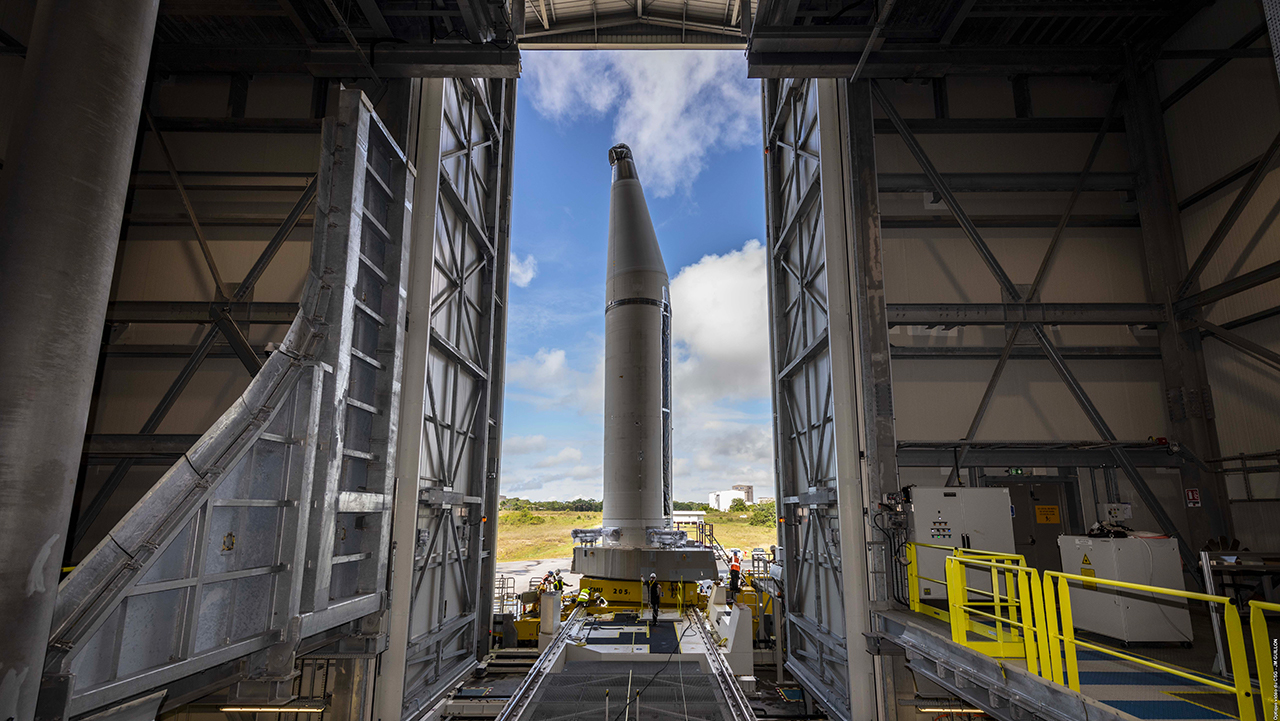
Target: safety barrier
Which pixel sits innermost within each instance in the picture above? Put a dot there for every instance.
(1010, 612)
(1264, 656)
(1063, 644)
(1026, 614)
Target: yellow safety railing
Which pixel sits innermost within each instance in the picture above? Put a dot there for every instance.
(914, 578)
(1010, 612)
(1060, 632)
(1264, 656)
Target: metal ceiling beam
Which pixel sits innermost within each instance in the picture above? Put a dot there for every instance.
(999, 126)
(173, 311)
(624, 19)
(889, 62)
(962, 352)
(943, 454)
(332, 60)
(138, 445)
(954, 314)
(1006, 182)
(1010, 221)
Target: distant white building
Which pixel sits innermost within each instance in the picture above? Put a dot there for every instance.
(749, 491)
(721, 500)
(688, 516)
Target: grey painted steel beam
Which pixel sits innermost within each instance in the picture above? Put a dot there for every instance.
(1010, 221)
(1006, 182)
(935, 62)
(1001, 126)
(62, 197)
(1207, 71)
(1219, 184)
(139, 445)
(866, 248)
(1059, 364)
(1185, 380)
(237, 125)
(1229, 219)
(953, 314)
(1135, 352)
(1242, 344)
(224, 321)
(337, 60)
(993, 454)
(1252, 318)
(171, 311)
(1230, 287)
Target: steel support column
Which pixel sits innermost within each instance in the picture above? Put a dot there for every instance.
(1190, 410)
(840, 224)
(879, 439)
(389, 690)
(62, 195)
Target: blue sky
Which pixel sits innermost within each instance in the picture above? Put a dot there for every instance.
(693, 120)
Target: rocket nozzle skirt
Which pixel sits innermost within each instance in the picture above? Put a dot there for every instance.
(637, 361)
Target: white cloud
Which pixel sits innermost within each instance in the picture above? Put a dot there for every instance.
(719, 323)
(523, 271)
(519, 445)
(566, 456)
(672, 107)
(547, 381)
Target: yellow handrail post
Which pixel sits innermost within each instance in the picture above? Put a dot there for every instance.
(1028, 636)
(1051, 632)
(956, 597)
(1068, 635)
(913, 579)
(1239, 662)
(1262, 650)
(1038, 622)
(996, 609)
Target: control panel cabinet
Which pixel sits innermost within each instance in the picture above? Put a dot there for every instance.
(977, 518)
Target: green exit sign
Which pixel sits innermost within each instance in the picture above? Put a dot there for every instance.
(1015, 471)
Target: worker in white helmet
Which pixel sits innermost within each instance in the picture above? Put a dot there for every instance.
(655, 594)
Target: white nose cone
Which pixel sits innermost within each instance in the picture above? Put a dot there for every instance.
(637, 400)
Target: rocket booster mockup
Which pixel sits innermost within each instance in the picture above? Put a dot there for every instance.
(637, 360)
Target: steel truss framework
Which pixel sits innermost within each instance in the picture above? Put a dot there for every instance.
(270, 537)
(829, 327)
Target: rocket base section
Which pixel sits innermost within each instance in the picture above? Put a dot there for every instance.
(629, 564)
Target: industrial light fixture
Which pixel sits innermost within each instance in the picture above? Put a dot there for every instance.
(297, 707)
(940, 709)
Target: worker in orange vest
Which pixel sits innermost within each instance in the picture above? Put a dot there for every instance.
(735, 574)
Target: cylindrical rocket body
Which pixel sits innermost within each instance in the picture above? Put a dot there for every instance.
(637, 464)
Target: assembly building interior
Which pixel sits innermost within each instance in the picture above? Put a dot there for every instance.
(1024, 325)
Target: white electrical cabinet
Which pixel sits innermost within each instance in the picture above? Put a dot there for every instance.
(978, 518)
(1129, 616)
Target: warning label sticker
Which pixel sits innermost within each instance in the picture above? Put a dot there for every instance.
(1091, 574)
(1047, 514)
(1086, 561)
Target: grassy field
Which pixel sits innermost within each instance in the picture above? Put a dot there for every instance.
(521, 538)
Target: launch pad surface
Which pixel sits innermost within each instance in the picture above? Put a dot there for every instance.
(628, 667)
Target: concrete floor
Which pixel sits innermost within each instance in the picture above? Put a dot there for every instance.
(524, 571)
